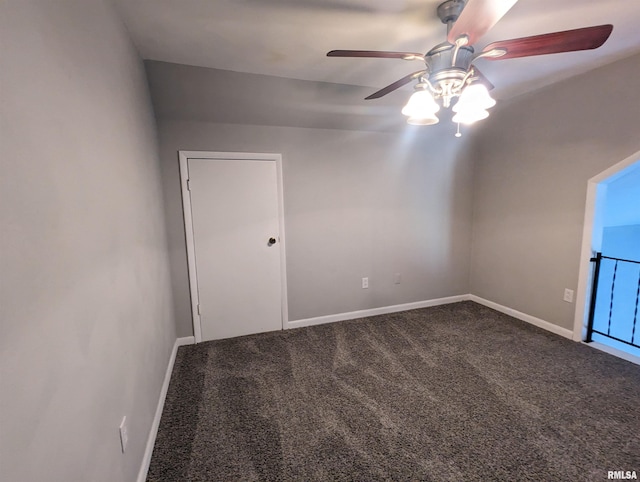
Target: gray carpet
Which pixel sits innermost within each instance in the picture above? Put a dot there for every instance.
(457, 392)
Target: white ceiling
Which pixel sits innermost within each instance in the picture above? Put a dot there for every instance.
(290, 38)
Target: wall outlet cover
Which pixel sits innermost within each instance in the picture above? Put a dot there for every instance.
(568, 295)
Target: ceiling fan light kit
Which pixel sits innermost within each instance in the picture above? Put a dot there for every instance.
(449, 71)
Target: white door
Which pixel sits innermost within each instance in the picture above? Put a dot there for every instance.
(236, 246)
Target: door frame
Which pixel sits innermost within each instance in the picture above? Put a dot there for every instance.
(585, 275)
(184, 157)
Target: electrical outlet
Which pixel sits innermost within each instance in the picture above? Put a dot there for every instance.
(568, 295)
(397, 278)
(124, 434)
(365, 283)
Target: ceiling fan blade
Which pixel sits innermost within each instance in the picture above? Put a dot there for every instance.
(376, 54)
(552, 43)
(396, 85)
(482, 78)
(477, 17)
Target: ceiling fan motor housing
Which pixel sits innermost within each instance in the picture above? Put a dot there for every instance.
(441, 58)
(448, 69)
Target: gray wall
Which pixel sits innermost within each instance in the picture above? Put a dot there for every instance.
(357, 203)
(532, 163)
(222, 96)
(87, 325)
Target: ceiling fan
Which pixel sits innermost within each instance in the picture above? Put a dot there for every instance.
(449, 67)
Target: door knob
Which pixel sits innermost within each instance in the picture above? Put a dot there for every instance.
(272, 241)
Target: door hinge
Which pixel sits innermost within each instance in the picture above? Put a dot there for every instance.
(199, 310)
(188, 184)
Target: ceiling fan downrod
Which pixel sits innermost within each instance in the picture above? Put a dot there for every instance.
(449, 11)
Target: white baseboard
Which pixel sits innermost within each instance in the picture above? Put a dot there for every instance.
(352, 315)
(558, 330)
(153, 432)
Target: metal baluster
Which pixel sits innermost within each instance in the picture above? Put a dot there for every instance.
(613, 285)
(594, 293)
(635, 314)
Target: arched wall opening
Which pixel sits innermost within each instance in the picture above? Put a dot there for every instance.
(611, 227)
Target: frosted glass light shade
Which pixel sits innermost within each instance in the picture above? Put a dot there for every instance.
(423, 121)
(421, 105)
(474, 97)
(469, 117)
(473, 104)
